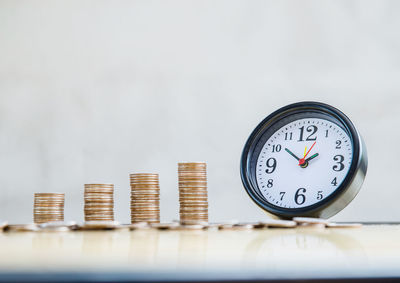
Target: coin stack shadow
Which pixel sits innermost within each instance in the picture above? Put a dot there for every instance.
(99, 202)
(145, 198)
(48, 207)
(193, 198)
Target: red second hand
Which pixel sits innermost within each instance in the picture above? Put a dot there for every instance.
(301, 161)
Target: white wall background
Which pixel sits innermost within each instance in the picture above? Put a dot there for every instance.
(91, 91)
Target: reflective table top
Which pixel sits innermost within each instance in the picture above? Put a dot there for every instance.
(367, 252)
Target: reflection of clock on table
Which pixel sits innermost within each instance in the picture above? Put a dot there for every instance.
(305, 159)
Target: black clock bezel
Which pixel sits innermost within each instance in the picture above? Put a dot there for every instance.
(308, 106)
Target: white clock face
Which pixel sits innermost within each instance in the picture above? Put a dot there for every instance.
(303, 162)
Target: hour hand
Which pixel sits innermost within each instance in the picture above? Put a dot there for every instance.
(292, 154)
(311, 157)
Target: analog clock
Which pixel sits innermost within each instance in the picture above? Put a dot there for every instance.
(305, 159)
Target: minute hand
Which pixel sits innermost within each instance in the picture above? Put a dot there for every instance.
(311, 157)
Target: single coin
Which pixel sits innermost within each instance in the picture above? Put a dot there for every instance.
(145, 191)
(21, 228)
(58, 223)
(99, 185)
(105, 192)
(145, 209)
(47, 205)
(344, 225)
(145, 200)
(146, 214)
(165, 226)
(190, 205)
(96, 206)
(3, 224)
(148, 221)
(190, 227)
(312, 225)
(99, 213)
(195, 214)
(94, 199)
(195, 210)
(193, 196)
(50, 194)
(192, 192)
(212, 226)
(144, 180)
(259, 225)
(55, 229)
(193, 201)
(145, 217)
(193, 181)
(144, 174)
(274, 223)
(97, 195)
(243, 226)
(139, 225)
(310, 220)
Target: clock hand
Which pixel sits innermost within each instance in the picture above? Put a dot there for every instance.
(311, 157)
(292, 154)
(302, 161)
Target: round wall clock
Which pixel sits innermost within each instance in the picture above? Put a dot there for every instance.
(305, 159)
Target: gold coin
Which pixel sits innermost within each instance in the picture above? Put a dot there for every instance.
(138, 225)
(344, 225)
(310, 220)
(273, 223)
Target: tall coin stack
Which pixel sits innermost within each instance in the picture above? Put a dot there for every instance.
(193, 192)
(145, 198)
(99, 202)
(48, 207)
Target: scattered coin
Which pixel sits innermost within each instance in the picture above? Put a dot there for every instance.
(21, 228)
(310, 220)
(190, 227)
(48, 207)
(344, 225)
(212, 226)
(138, 226)
(312, 225)
(243, 226)
(259, 225)
(227, 225)
(58, 226)
(99, 202)
(165, 226)
(275, 223)
(193, 197)
(3, 225)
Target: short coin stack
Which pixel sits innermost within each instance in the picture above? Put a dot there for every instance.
(193, 192)
(48, 207)
(99, 202)
(145, 198)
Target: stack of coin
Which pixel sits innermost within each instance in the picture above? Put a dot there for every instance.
(48, 207)
(193, 192)
(99, 202)
(145, 198)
